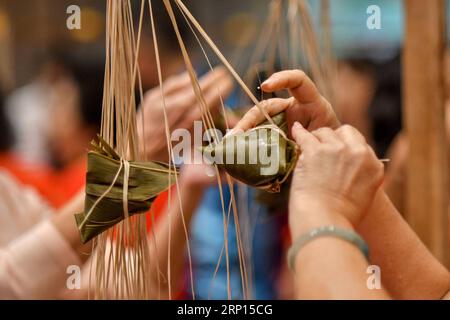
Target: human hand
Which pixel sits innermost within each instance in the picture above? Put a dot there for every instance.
(338, 174)
(198, 176)
(306, 105)
(182, 108)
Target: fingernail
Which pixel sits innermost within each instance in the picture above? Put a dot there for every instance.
(210, 171)
(297, 125)
(268, 82)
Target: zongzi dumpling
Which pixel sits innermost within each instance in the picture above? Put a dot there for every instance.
(262, 157)
(105, 183)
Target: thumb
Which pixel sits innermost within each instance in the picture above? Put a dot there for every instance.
(303, 137)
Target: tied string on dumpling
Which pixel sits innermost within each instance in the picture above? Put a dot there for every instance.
(286, 154)
(126, 176)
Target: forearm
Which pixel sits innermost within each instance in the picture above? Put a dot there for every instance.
(34, 265)
(408, 269)
(328, 267)
(64, 222)
(170, 232)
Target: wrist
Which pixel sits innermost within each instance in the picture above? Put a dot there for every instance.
(330, 202)
(307, 215)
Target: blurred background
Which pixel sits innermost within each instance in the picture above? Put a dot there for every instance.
(51, 81)
(29, 30)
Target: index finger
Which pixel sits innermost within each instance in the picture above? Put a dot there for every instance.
(255, 117)
(297, 82)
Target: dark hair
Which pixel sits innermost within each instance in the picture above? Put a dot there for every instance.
(385, 110)
(6, 136)
(88, 75)
(89, 79)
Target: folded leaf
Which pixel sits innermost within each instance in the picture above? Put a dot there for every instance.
(262, 157)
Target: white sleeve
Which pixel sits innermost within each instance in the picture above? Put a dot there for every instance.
(34, 265)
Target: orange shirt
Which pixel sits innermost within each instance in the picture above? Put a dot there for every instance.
(56, 187)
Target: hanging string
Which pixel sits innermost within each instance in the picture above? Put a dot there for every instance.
(223, 59)
(171, 156)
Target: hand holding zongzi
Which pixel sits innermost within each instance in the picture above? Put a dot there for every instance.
(306, 105)
(338, 175)
(263, 157)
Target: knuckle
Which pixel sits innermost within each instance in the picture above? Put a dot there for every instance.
(189, 100)
(345, 129)
(337, 148)
(359, 152)
(170, 82)
(340, 148)
(149, 96)
(332, 149)
(322, 131)
(320, 149)
(299, 73)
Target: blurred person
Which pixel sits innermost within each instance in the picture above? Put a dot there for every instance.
(399, 153)
(338, 182)
(325, 199)
(7, 160)
(74, 120)
(353, 105)
(37, 176)
(75, 114)
(52, 243)
(374, 105)
(27, 109)
(34, 259)
(72, 117)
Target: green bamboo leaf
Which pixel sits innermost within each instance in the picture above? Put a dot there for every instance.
(282, 152)
(146, 181)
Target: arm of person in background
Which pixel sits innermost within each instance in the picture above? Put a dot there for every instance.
(193, 181)
(408, 269)
(54, 245)
(182, 108)
(434, 280)
(33, 265)
(397, 250)
(334, 183)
